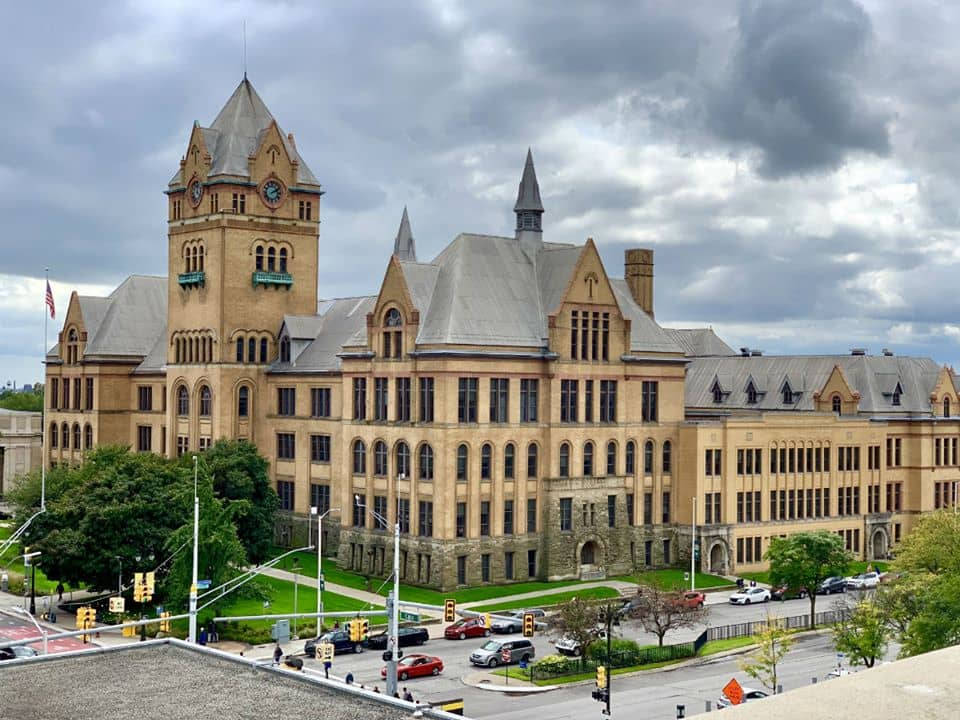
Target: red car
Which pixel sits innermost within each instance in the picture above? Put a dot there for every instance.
(412, 666)
(467, 627)
(692, 599)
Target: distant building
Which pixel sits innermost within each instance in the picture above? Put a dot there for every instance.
(21, 439)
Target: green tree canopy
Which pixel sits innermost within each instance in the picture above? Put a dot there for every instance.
(774, 642)
(804, 560)
(28, 401)
(862, 633)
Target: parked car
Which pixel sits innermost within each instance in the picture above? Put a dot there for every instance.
(567, 645)
(782, 592)
(406, 636)
(467, 627)
(889, 577)
(515, 623)
(490, 654)
(16, 652)
(750, 596)
(416, 666)
(693, 599)
(863, 581)
(838, 672)
(832, 585)
(748, 695)
(340, 639)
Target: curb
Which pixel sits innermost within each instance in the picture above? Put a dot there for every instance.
(494, 686)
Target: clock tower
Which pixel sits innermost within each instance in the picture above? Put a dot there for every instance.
(242, 253)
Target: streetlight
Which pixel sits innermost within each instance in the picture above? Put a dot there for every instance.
(28, 561)
(196, 533)
(41, 630)
(693, 546)
(314, 511)
(296, 583)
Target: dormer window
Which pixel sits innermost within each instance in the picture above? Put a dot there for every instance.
(285, 349)
(946, 407)
(897, 392)
(751, 394)
(787, 394)
(73, 348)
(837, 404)
(392, 338)
(717, 392)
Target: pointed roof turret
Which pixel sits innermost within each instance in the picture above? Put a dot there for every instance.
(404, 247)
(528, 195)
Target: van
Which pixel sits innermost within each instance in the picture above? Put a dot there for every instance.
(490, 654)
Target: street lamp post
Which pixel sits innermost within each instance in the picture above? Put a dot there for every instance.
(196, 534)
(296, 584)
(320, 517)
(693, 546)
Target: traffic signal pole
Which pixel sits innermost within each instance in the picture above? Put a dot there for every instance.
(693, 547)
(609, 650)
(395, 612)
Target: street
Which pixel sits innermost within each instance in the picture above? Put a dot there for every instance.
(12, 628)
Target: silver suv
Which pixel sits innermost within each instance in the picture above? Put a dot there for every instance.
(490, 654)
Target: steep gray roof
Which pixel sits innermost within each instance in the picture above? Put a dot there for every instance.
(336, 322)
(421, 278)
(404, 247)
(645, 334)
(699, 342)
(528, 194)
(874, 377)
(156, 359)
(236, 134)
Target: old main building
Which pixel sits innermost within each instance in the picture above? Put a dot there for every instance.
(519, 410)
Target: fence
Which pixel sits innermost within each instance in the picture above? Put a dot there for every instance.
(794, 622)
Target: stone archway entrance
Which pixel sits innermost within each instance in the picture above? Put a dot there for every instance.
(588, 553)
(590, 557)
(878, 545)
(718, 559)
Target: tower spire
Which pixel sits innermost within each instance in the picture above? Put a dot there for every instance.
(528, 207)
(404, 246)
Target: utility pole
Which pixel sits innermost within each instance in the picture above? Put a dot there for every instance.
(296, 583)
(609, 650)
(693, 546)
(320, 582)
(196, 534)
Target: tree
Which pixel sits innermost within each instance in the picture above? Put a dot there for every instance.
(933, 546)
(31, 401)
(577, 619)
(660, 611)
(937, 625)
(804, 560)
(862, 633)
(774, 643)
(903, 599)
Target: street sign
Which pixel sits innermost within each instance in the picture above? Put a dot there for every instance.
(117, 604)
(325, 652)
(410, 616)
(505, 655)
(733, 691)
(203, 584)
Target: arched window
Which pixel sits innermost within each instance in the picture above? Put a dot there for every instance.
(380, 458)
(648, 457)
(285, 349)
(588, 460)
(630, 458)
(194, 265)
(53, 435)
(532, 460)
(667, 460)
(183, 401)
(243, 401)
(283, 260)
(425, 462)
(403, 459)
(88, 436)
(259, 257)
(392, 339)
(72, 347)
(263, 350)
(76, 436)
(239, 349)
(65, 436)
(837, 405)
(205, 401)
(271, 259)
(393, 318)
(946, 407)
(486, 461)
(611, 458)
(462, 455)
(252, 350)
(509, 461)
(564, 460)
(201, 258)
(359, 458)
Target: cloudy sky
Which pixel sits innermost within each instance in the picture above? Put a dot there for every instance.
(794, 163)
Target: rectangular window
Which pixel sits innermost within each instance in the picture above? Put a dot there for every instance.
(630, 510)
(508, 566)
(611, 510)
(574, 319)
(897, 457)
(183, 444)
(605, 337)
(359, 398)
(648, 552)
(740, 513)
(144, 438)
(485, 518)
(800, 463)
(88, 397)
(461, 569)
(320, 497)
(566, 514)
(826, 502)
(319, 402)
(65, 399)
(708, 463)
(666, 507)
(588, 400)
(357, 516)
(461, 519)
(529, 398)
(54, 392)
(379, 512)
(499, 395)
(748, 545)
(717, 462)
(740, 461)
(708, 509)
(568, 401)
(531, 515)
(485, 567)
(381, 387)
(240, 203)
(285, 493)
(403, 512)
(286, 401)
(648, 508)
(666, 552)
(508, 517)
(584, 335)
(608, 401)
(740, 555)
(773, 504)
(320, 448)
(145, 398)
(648, 401)
(467, 400)
(531, 563)
(286, 449)
(593, 336)
(425, 528)
(426, 399)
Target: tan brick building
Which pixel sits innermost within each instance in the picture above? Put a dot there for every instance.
(516, 407)
(21, 437)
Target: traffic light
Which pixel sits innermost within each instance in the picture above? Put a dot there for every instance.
(529, 625)
(353, 628)
(148, 582)
(601, 677)
(600, 695)
(364, 628)
(449, 610)
(164, 623)
(486, 620)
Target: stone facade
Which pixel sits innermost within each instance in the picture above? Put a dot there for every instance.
(21, 438)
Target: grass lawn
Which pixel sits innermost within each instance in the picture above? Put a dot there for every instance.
(672, 579)
(596, 593)
(13, 564)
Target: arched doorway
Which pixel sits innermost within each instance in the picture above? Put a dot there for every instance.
(718, 559)
(879, 544)
(588, 553)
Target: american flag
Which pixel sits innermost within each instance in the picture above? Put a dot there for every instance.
(53, 310)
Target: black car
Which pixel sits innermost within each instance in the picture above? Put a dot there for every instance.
(782, 592)
(407, 636)
(340, 639)
(832, 585)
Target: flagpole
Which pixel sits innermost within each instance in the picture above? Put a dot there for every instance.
(46, 393)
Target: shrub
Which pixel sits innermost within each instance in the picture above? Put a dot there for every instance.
(551, 665)
(624, 652)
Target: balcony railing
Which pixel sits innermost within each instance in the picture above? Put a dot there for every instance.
(191, 279)
(272, 278)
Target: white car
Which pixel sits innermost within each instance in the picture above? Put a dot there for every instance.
(748, 694)
(863, 581)
(750, 596)
(566, 645)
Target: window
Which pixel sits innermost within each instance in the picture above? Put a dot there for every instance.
(286, 401)
(666, 552)
(499, 394)
(508, 566)
(251, 350)
(239, 203)
(509, 461)
(574, 320)
(380, 458)
(426, 399)
(183, 401)
(751, 394)
(568, 401)
(87, 436)
(286, 448)
(359, 398)
(145, 398)
(531, 515)
(403, 399)
(837, 405)
(76, 393)
(271, 259)
(243, 401)
(461, 569)
(484, 518)
(630, 510)
(588, 459)
(787, 394)
(564, 460)
(485, 461)
(425, 462)
(648, 457)
(648, 509)
(667, 458)
(608, 401)
(462, 455)
(403, 459)
(532, 458)
(88, 397)
(403, 513)
(284, 350)
(65, 400)
(485, 567)
(54, 437)
(239, 351)
(320, 402)
(467, 400)
(183, 444)
(531, 563)
(144, 438)
(708, 508)
(392, 338)
(461, 519)
(205, 401)
(379, 512)
(605, 337)
(425, 527)
(306, 210)
(65, 436)
(359, 458)
(283, 260)
(258, 257)
(611, 458)
(717, 392)
(508, 517)
(566, 514)
(320, 497)
(529, 392)
(588, 400)
(946, 407)
(897, 392)
(285, 492)
(666, 507)
(357, 518)
(54, 392)
(380, 389)
(611, 510)
(630, 459)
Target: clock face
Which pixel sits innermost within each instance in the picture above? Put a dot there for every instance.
(196, 192)
(272, 192)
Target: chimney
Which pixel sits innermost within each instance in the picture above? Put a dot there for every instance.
(638, 272)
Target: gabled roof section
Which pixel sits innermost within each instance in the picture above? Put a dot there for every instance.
(337, 321)
(404, 247)
(645, 334)
(699, 342)
(528, 194)
(421, 279)
(156, 359)
(128, 322)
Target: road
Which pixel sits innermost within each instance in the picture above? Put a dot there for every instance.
(15, 628)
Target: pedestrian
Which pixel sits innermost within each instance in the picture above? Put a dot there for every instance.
(349, 678)
(59, 592)
(277, 654)
(336, 625)
(376, 689)
(396, 694)
(203, 636)
(407, 695)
